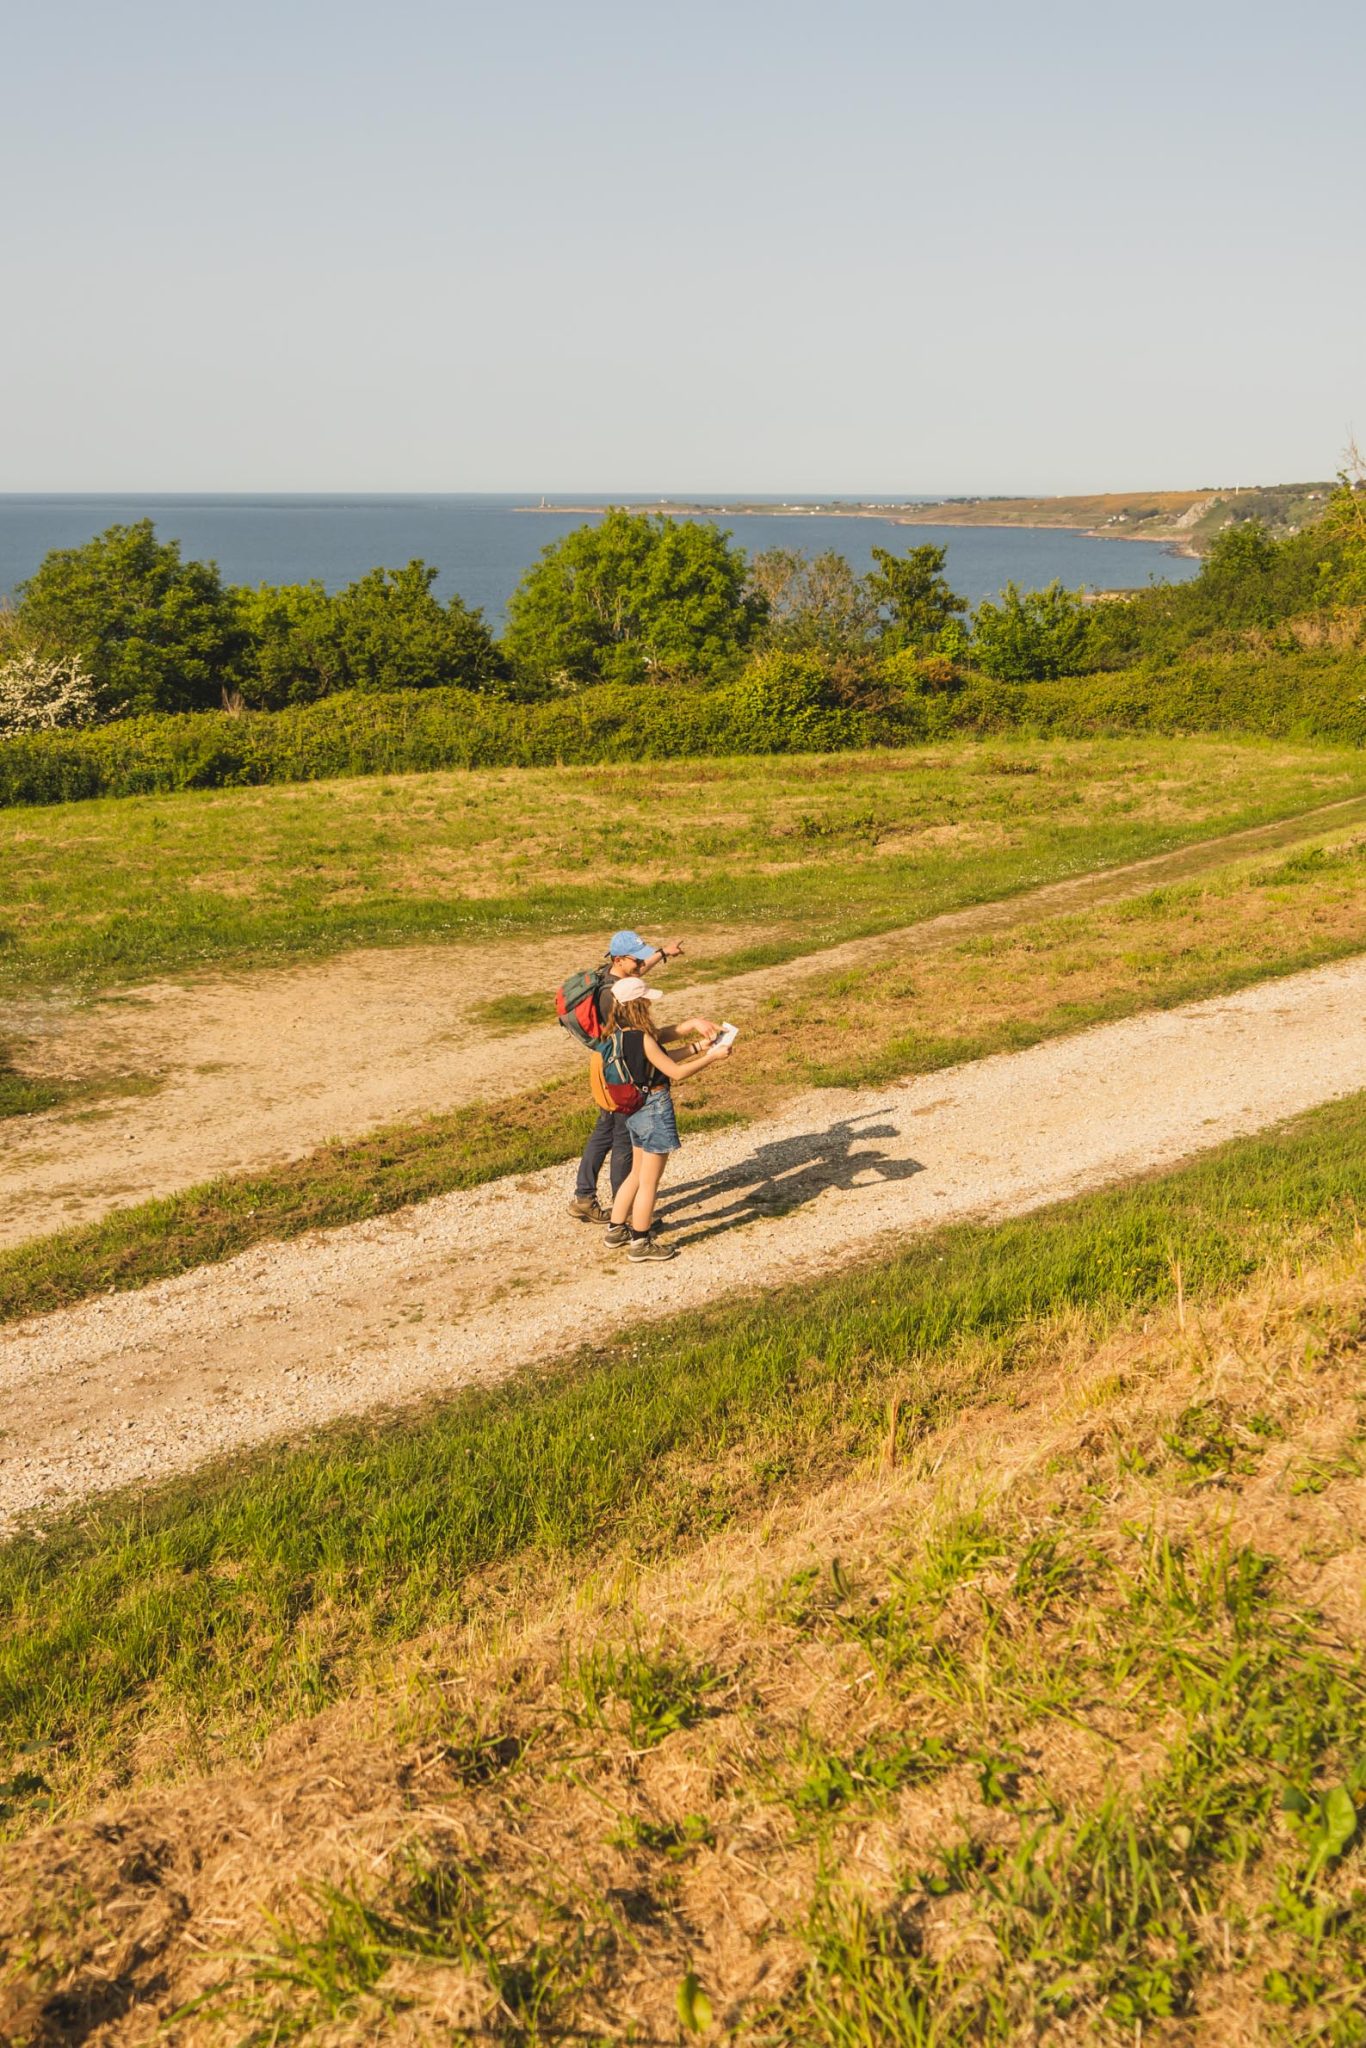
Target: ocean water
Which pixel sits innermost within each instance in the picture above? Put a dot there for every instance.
(482, 545)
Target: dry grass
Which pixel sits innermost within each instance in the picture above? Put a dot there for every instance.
(834, 1776)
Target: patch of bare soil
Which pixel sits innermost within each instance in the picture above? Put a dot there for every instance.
(257, 1068)
(598, 1863)
(477, 1284)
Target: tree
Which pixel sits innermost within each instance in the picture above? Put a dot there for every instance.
(1238, 578)
(1032, 636)
(912, 595)
(387, 631)
(394, 634)
(634, 596)
(155, 633)
(1249, 582)
(292, 651)
(813, 603)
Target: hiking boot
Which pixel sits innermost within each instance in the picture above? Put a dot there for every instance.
(618, 1234)
(588, 1209)
(645, 1250)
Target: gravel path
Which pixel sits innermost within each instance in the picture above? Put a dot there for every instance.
(474, 1285)
(261, 1067)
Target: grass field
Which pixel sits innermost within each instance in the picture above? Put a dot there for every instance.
(813, 849)
(1232, 926)
(1057, 1721)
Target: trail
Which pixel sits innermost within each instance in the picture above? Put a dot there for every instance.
(476, 1285)
(260, 1067)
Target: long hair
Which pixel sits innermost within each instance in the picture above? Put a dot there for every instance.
(634, 1016)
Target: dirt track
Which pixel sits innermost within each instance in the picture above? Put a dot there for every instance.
(474, 1285)
(263, 1067)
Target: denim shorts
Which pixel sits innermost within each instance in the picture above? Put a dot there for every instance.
(653, 1127)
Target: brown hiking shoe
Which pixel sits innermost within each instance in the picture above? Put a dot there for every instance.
(618, 1234)
(646, 1250)
(588, 1209)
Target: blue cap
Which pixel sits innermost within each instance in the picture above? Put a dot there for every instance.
(628, 942)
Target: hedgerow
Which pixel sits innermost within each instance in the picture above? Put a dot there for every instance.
(1304, 695)
(781, 703)
(779, 707)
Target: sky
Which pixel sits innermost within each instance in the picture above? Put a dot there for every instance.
(880, 247)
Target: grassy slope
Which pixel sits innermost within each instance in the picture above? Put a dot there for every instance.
(1056, 1725)
(986, 994)
(223, 1603)
(818, 849)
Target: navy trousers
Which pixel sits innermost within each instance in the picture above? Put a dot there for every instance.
(610, 1134)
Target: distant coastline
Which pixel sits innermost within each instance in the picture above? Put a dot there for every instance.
(897, 515)
(1181, 523)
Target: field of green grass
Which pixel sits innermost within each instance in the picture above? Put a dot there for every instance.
(812, 849)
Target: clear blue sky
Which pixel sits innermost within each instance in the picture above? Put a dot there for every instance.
(767, 244)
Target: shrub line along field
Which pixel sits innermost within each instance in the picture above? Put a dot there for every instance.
(995, 976)
(476, 1285)
(1132, 1520)
(1304, 695)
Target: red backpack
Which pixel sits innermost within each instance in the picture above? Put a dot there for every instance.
(579, 1003)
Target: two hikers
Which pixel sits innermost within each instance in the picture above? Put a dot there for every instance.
(585, 1006)
(636, 1061)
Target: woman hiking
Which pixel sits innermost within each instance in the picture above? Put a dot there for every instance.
(653, 1129)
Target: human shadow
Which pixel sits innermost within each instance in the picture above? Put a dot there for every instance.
(781, 1176)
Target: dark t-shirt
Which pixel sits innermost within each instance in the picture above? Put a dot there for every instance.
(642, 1071)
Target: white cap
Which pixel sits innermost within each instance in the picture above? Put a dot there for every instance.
(631, 989)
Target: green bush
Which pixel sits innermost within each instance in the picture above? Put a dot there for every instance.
(1032, 635)
(1306, 695)
(783, 703)
(360, 733)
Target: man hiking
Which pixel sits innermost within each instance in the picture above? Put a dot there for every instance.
(582, 999)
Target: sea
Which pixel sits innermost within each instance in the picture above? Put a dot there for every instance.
(481, 545)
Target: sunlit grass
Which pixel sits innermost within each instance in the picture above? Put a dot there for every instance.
(102, 893)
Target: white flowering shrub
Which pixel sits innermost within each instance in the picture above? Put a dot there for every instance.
(39, 692)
